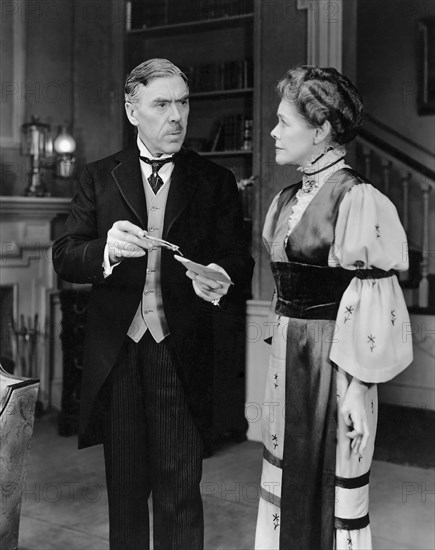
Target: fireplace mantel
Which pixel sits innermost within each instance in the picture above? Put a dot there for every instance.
(28, 221)
(33, 207)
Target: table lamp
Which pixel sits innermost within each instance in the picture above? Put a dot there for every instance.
(64, 146)
(33, 143)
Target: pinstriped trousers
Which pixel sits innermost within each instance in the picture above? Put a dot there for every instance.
(151, 445)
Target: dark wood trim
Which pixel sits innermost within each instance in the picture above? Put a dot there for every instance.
(221, 94)
(191, 26)
(372, 120)
(396, 153)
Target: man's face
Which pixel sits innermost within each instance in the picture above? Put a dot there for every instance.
(160, 111)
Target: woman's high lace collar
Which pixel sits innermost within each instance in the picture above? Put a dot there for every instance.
(322, 162)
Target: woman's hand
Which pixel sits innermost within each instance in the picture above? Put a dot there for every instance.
(353, 411)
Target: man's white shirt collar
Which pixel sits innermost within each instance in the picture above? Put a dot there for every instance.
(144, 152)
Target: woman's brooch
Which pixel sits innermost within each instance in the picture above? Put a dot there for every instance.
(309, 185)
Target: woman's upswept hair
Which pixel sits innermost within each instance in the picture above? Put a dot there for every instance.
(320, 94)
(147, 71)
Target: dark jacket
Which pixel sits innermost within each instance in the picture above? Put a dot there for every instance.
(203, 216)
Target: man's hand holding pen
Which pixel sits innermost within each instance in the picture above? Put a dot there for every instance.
(126, 240)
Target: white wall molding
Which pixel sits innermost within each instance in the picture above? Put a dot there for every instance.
(14, 14)
(257, 360)
(324, 32)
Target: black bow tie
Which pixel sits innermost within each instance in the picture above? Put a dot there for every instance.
(155, 180)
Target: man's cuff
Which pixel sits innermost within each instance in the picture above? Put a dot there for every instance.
(107, 267)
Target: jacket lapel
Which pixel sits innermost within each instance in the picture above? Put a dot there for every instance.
(184, 181)
(128, 177)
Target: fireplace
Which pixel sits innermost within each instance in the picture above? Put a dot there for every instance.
(28, 288)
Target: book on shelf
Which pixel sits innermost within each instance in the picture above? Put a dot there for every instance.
(217, 136)
(182, 11)
(247, 134)
(232, 133)
(144, 14)
(227, 75)
(211, 9)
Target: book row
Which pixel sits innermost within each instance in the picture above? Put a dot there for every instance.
(229, 75)
(230, 133)
(141, 14)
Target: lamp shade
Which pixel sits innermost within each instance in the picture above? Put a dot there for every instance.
(34, 136)
(64, 143)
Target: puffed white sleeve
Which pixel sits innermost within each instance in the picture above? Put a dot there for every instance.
(372, 341)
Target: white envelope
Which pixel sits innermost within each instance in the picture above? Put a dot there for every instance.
(203, 270)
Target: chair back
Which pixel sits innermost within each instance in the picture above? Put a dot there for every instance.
(17, 411)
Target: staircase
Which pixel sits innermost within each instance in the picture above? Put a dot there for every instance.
(410, 185)
(399, 168)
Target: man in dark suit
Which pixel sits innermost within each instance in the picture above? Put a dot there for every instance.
(147, 383)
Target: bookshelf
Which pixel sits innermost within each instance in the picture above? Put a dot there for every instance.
(212, 41)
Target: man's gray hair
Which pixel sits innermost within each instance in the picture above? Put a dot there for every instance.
(147, 71)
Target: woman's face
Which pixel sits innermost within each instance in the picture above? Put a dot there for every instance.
(293, 136)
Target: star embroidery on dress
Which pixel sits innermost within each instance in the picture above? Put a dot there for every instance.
(373, 282)
(275, 377)
(275, 521)
(349, 542)
(373, 407)
(275, 441)
(378, 233)
(393, 316)
(360, 458)
(371, 341)
(348, 313)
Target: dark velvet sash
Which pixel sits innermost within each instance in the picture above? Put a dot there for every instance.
(309, 291)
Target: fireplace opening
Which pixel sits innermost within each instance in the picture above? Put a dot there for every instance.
(8, 312)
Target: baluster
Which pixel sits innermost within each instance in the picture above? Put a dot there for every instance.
(405, 198)
(367, 162)
(404, 275)
(386, 171)
(423, 287)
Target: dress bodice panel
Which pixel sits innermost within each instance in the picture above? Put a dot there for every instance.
(311, 240)
(306, 286)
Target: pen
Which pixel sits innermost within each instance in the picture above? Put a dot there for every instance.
(164, 243)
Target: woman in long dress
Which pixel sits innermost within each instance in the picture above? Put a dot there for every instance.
(335, 244)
